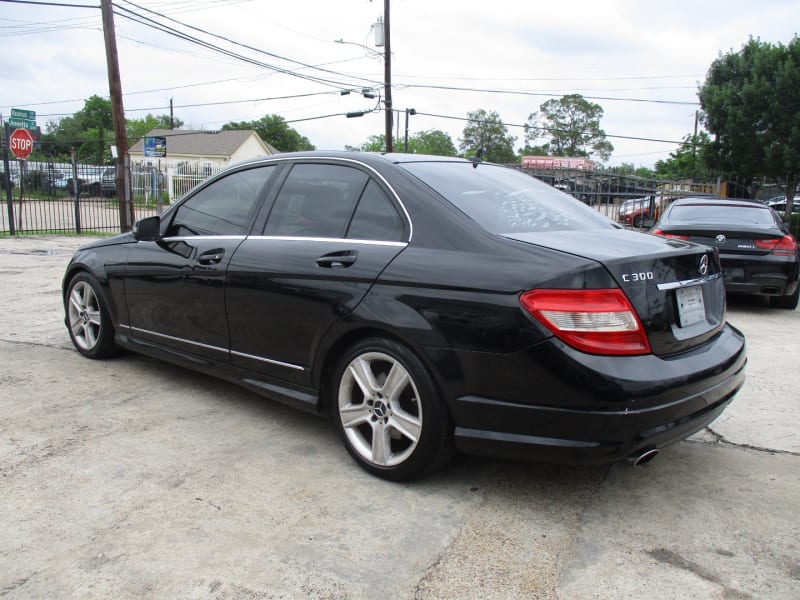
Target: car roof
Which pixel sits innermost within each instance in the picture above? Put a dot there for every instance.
(370, 158)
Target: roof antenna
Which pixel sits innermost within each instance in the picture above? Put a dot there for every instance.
(477, 158)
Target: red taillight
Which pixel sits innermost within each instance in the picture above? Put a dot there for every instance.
(657, 231)
(785, 246)
(594, 321)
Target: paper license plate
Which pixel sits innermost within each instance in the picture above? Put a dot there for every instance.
(691, 308)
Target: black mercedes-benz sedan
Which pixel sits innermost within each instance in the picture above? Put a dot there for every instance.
(429, 305)
(757, 252)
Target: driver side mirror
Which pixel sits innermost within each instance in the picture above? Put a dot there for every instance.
(147, 230)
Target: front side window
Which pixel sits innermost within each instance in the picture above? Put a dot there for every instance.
(316, 200)
(224, 207)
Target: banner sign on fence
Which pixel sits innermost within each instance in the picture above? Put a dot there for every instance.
(155, 147)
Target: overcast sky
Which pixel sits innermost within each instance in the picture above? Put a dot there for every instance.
(641, 61)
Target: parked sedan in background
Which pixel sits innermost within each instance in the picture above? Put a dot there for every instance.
(427, 304)
(757, 252)
(778, 204)
(635, 211)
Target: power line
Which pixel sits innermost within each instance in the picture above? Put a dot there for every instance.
(246, 46)
(550, 95)
(551, 129)
(148, 22)
(52, 4)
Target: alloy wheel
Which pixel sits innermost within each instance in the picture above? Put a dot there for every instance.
(380, 409)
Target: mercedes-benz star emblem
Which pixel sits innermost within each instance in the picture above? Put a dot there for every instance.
(702, 267)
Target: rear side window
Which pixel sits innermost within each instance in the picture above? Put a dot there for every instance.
(502, 200)
(316, 200)
(224, 207)
(376, 218)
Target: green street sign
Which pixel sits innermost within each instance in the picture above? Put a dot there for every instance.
(20, 113)
(17, 123)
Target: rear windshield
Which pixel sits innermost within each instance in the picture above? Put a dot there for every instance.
(503, 201)
(739, 214)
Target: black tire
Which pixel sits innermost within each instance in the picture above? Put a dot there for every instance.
(789, 302)
(94, 189)
(381, 387)
(88, 320)
(637, 221)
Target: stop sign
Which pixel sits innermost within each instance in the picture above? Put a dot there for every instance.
(21, 143)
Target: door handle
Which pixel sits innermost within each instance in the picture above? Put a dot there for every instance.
(212, 257)
(337, 260)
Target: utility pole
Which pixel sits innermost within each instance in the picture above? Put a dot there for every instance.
(118, 115)
(387, 74)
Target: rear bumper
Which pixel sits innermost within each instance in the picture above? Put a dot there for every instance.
(765, 275)
(666, 403)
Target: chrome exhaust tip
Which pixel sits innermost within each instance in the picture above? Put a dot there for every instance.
(643, 457)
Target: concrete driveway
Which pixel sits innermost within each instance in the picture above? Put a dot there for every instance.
(133, 479)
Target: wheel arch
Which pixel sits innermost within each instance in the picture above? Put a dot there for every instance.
(329, 356)
(79, 266)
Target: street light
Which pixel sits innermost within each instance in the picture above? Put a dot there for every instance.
(374, 53)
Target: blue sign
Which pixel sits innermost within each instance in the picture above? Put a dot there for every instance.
(155, 147)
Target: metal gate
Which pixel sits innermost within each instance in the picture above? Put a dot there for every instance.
(49, 197)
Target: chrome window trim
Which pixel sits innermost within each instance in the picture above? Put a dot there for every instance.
(686, 282)
(289, 238)
(216, 348)
(181, 238)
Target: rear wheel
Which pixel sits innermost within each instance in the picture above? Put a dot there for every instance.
(789, 301)
(389, 412)
(88, 320)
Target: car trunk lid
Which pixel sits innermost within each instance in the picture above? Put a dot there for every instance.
(675, 286)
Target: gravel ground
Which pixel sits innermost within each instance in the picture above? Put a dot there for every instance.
(134, 479)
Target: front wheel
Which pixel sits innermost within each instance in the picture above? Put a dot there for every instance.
(389, 412)
(88, 320)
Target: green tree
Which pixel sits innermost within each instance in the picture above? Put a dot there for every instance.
(688, 161)
(631, 169)
(274, 130)
(571, 125)
(86, 131)
(96, 118)
(486, 131)
(374, 143)
(751, 105)
(139, 128)
(433, 141)
(528, 150)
